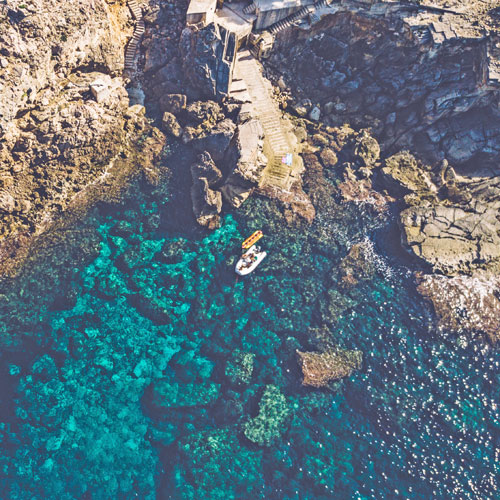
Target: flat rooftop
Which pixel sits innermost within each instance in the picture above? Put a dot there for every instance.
(233, 18)
(264, 5)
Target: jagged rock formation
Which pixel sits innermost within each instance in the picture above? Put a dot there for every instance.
(249, 162)
(44, 41)
(421, 79)
(207, 202)
(198, 50)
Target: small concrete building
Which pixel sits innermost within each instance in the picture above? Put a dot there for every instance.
(201, 12)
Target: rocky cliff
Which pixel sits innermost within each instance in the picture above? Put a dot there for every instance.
(422, 79)
(64, 113)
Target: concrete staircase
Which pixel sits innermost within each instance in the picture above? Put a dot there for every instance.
(277, 143)
(250, 9)
(304, 11)
(139, 29)
(288, 21)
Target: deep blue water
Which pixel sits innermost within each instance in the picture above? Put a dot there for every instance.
(118, 338)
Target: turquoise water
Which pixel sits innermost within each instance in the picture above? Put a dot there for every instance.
(136, 365)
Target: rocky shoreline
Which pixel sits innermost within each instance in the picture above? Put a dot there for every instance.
(420, 89)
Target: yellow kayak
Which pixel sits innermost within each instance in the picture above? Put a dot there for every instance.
(251, 240)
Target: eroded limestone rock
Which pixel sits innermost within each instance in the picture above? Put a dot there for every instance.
(403, 174)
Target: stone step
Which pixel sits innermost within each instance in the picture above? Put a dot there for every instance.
(135, 9)
(250, 9)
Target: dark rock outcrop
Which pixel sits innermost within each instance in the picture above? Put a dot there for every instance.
(216, 140)
(205, 167)
(421, 79)
(207, 203)
(199, 48)
(246, 154)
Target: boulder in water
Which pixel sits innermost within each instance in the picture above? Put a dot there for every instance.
(205, 167)
(207, 204)
(319, 368)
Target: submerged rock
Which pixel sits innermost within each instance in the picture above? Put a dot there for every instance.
(207, 204)
(205, 454)
(269, 424)
(168, 394)
(205, 167)
(319, 368)
(239, 367)
(357, 265)
(465, 303)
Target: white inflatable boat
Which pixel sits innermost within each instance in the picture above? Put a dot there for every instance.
(252, 255)
(250, 260)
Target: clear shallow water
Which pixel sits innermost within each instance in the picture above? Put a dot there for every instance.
(116, 383)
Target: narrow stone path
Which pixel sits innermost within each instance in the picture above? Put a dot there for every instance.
(139, 29)
(278, 144)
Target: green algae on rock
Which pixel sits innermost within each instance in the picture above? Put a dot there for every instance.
(239, 367)
(270, 423)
